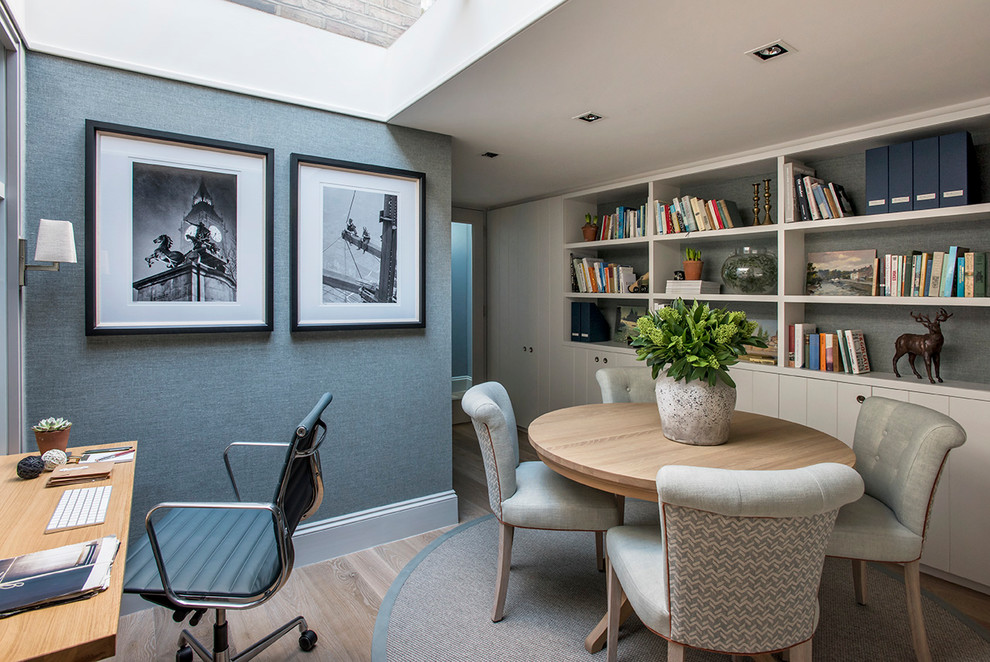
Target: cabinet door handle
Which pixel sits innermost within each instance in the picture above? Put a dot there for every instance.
(605, 360)
(860, 399)
(530, 350)
(596, 359)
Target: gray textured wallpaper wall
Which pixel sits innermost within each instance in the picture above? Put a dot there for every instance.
(185, 396)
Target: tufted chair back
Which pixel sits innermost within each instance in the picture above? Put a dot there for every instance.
(900, 449)
(627, 384)
(735, 539)
(490, 410)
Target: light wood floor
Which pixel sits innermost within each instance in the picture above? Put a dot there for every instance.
(340, 597)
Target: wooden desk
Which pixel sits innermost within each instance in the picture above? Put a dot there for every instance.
(82, 630)
(619, 448)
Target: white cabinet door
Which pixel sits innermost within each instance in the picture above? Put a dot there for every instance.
(849, 397)
(744, 389)
(517, 305)
(969, 514)
(794, 399)
(822, 405)
(766, 391)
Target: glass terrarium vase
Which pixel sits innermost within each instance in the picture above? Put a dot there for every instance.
(750, 271)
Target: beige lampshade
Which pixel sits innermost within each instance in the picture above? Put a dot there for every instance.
(55, 242)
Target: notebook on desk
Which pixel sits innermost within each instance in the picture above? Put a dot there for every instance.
(71, 474)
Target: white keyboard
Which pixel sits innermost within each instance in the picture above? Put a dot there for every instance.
(80, 507)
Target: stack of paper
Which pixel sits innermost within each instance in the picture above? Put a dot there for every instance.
(692, 287)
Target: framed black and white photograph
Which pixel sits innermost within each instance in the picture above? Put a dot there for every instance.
(178, 233)
(357, 245)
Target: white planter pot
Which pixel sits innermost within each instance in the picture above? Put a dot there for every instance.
(695, 413)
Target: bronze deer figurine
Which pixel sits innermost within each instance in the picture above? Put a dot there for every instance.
(928, 345)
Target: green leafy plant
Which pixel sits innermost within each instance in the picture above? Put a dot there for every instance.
(589, 220)
(51, 425)
(696, 342)
(692, 254)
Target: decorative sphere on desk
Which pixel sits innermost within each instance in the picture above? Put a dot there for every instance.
(54, 459)
(30, 467)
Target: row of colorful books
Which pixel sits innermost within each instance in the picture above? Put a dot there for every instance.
(957, 272)
(625, 223)
(843, 350)
(811, 198)
(592, 274)
(691, 214)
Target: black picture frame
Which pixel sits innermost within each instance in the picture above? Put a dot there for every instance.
(211, 205)
(357, 245)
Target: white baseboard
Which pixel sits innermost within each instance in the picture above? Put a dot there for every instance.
(318, 541)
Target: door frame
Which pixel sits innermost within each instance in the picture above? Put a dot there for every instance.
(479, 303)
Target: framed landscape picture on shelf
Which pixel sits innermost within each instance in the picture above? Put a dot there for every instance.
(766, 330)
(841, 273)
(625, 322)
(357, 246)
(178, 233)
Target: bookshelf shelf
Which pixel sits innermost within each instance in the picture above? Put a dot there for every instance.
(769, 298)
(607, 243)
(715, 235)
(969, 302)
(607, 295)
(970, 213)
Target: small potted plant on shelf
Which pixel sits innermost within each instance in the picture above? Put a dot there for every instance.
(590, 227)
(692, 264)
(52, 433)
(694, 347)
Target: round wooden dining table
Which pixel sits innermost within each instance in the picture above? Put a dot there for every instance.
(620, 447)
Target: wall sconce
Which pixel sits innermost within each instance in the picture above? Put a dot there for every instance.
(56, 243)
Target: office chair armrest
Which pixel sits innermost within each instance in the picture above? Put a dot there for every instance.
(280, 531)
(226, 459)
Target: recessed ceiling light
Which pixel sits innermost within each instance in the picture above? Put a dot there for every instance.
(490, 155)
(772, 50)
(588, 117)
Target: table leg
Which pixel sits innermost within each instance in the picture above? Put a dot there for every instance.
(596, 639)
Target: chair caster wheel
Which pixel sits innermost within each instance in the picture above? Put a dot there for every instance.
(307, 640)
(184, 654)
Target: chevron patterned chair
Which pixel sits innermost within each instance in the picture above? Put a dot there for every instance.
(900, 451)
(528, 495)
(736, 563)
(626, 384)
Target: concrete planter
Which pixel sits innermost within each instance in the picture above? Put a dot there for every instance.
(695, 413)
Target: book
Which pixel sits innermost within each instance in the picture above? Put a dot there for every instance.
(792, 208)
(980, 288)
(730, 213)
(843, 350)
(823, 209)
(803, 210)
(790, 345)
(845, 204)
(814, 351)
(801, 333)
(961, 276)
(833, 201)
(949, 270)
(70, 474)
(55, 576)
(935, 281)
(813, 203)
(858, 358)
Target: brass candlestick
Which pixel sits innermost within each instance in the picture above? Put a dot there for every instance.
(756, 203)
(766, 195)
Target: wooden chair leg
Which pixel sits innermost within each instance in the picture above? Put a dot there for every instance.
(859, 580)
(600, 550)
(675, 652)
(801, 652)
(614, 593)
(505, 532)
(912, 586)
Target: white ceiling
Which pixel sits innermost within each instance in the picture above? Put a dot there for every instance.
(673, 82)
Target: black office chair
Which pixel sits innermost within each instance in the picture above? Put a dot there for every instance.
(200, 556)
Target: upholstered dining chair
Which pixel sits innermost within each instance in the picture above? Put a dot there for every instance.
(735, 565)
(900, 451)
(627, 384)
(528, 495)
(232, 555)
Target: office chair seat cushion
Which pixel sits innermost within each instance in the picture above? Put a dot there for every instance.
(208, 552)
(546, 500)
(636, 554)
(867, 529)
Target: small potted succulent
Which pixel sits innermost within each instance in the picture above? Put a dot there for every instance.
(590, 228)
(692, 264)
(52, 433)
